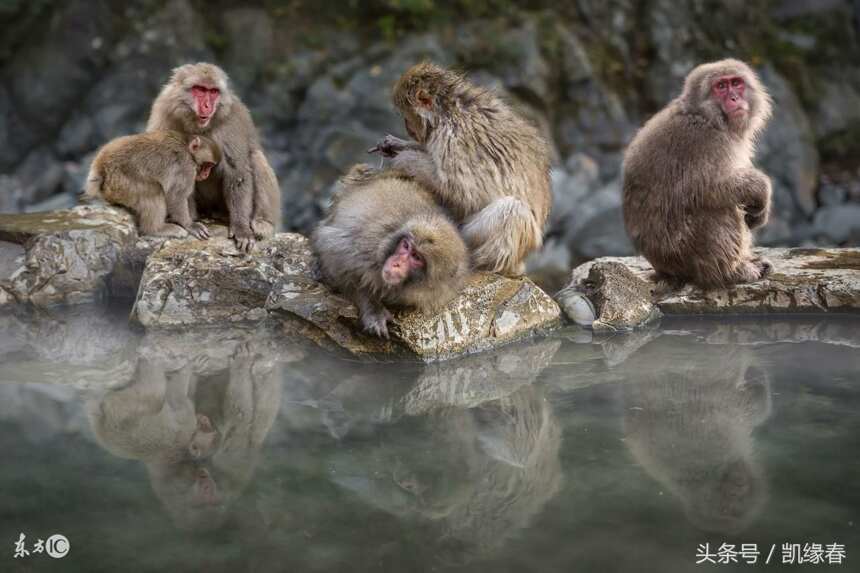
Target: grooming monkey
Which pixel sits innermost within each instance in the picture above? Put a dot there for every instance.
(387, 242)
(153, 174)
(197, 100)
(691, 193)
(484, 162)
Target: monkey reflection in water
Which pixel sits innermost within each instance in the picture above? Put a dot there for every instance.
(689, 418)
(482, 473)
(197, 433)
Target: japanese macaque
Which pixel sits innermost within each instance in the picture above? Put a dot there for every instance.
(153, 174)
(485, 163)
(387, 242)
(197, 100)
(691, 193)
(689, 418)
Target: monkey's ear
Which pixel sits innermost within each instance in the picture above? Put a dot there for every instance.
(194, 144)
(424, 99)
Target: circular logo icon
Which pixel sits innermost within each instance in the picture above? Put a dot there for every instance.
(57, 546)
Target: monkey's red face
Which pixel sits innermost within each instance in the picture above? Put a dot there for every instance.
(205, 103)
(203, 171)
(730, 93)
(402, 263)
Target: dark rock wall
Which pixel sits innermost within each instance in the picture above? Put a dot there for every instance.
(75, 74)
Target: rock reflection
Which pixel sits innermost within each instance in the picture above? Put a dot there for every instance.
(472, 446)
(689, 422)
(196, 413)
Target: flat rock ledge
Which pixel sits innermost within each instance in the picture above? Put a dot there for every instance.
(70, 256)
(620, 289)
(192, 282)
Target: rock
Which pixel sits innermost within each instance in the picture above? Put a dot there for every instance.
(803, 280)
(68, 256)
(620, 299)
(192, 282)
(597, 227)
(198, 283)
(839, 223)
(787, 151)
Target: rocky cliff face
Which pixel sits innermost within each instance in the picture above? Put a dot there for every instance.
(75, 74)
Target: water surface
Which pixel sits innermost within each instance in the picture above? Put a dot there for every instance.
(251, 450)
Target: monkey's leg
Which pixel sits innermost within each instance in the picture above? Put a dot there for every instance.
(152, 214)
(501, 235)
(177, 208)
(373, 315)
(267, 197)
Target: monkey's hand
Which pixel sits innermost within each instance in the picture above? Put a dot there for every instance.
(756, 219)
(755, 193)
(390, 146)
(244, 237)
(376, 321)
(199, 230)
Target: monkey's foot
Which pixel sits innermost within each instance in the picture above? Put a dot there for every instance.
(244, 238)
(262, 229)
(764, 266)
(199, 230)
(171, 230)
(376, 322)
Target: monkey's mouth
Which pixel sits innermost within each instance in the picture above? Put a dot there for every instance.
(204, 171)
(203, 120)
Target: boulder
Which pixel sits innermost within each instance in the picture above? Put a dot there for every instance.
(63, 256)
(190, 282)
(803, 280)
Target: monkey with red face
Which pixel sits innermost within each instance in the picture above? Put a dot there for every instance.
(386, 242)
(691, 192)
(198, 100)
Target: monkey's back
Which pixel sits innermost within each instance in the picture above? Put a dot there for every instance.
(141, 158)
(670, 166)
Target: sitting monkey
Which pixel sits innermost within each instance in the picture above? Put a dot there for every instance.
(153, 174)
(386, 241)
(691, 192)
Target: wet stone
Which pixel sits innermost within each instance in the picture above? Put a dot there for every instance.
(802, 281)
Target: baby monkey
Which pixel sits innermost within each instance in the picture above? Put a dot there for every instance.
(153, 174)
(386, 242)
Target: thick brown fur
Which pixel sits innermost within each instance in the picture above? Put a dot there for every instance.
(153, 174)
(370, 214)
(484, 162)
(691, 193)
(244, 188)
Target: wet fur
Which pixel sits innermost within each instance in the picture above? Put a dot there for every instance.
(484, 162)
(691, 193)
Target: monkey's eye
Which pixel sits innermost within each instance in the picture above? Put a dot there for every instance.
(737, 82)
(417, 259)
(721, 85)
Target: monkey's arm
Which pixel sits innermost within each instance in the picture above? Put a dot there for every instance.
(373, 315)
(419, 165)
(178, 211)
(390, 146)
(753, 190)
(238, 188)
